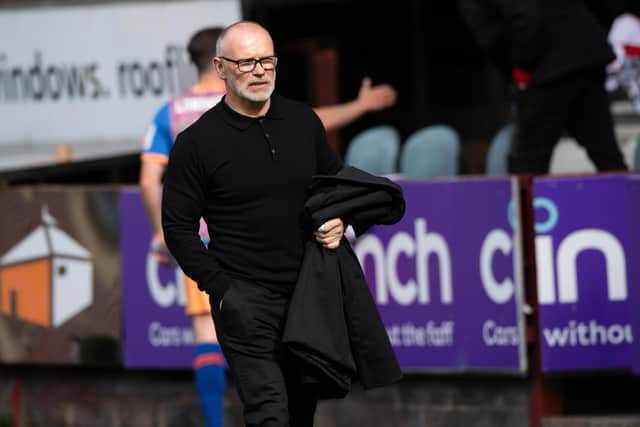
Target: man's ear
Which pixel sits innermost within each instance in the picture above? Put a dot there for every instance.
(217, 64)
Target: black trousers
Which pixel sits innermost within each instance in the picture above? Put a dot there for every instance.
(249, 329)
(576, 104)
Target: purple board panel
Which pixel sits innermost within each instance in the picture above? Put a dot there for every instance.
(633, 261)
(583, 272)
(447, 278)
(157, 333)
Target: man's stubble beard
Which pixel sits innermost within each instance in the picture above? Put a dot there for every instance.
(244, 92)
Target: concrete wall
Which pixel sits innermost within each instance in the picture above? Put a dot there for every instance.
(97, 398)
(434, 402)
(610, 421)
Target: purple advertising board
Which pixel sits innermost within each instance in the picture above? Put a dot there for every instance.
(157, 332)
(447, 278)
(583, 268)
(633, 198)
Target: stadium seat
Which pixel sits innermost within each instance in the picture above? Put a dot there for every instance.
(432, 151)
(496, 163)
(374, 150)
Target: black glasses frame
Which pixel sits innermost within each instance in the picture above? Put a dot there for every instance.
(255, 62)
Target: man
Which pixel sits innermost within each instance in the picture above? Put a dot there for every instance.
(244, 167)
(171, 119)
(154, 158)
(556, 52)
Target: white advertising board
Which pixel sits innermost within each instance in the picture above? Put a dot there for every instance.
(96, 73)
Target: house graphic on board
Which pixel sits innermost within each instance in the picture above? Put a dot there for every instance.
(47, 277)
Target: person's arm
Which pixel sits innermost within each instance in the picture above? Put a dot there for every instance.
(183, 204)
(370, 98)
(490, 31)
(151, 173)
(529, 36)
(510, 32)
(156, 146)
(151, 191)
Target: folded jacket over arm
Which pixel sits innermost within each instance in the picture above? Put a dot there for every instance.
(333, 326)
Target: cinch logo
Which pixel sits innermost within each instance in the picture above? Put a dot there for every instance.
(164, 294)
(564, 261)
(420, 247)
(47, 277)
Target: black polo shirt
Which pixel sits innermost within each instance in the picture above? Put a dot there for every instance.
(247, 177)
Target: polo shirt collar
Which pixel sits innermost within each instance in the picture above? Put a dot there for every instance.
(242, 122)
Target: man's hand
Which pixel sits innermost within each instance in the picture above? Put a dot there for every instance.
(330, 233)
(376, 98)
(159, 249)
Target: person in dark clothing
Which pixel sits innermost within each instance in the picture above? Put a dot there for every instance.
(608, 10)
(556, 52)
(244, 167)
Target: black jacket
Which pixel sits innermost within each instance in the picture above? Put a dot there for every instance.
(333, 329)
(548, 38)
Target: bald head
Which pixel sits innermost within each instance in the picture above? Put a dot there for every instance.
(246, 61)
(240, 39)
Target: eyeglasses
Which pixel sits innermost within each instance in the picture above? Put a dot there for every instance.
(267, 63)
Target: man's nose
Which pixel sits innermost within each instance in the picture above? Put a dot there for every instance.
(255, 69)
